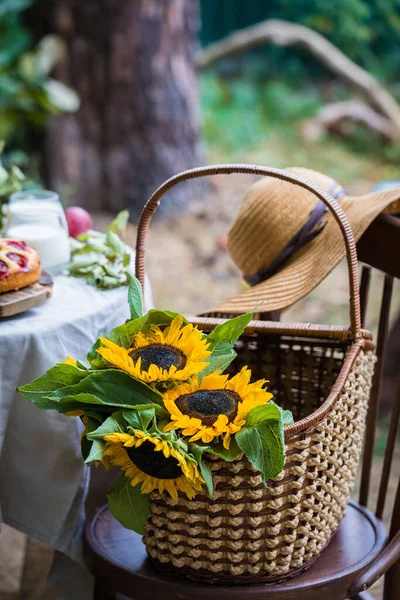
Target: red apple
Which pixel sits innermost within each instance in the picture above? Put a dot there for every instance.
(78, 220)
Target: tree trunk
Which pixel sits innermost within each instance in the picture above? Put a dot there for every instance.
(132, 62)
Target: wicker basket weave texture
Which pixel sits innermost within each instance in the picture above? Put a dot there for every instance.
(248, 532)
(300, 372)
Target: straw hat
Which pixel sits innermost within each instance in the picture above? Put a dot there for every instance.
(285, 242)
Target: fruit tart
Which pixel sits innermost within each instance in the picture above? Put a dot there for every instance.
(19, 265)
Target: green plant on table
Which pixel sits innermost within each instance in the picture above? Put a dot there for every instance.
(102, 259)
(155, 403)
(10, 181)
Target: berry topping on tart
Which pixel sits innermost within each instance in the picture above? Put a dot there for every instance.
(21, 260)
(19, 265)
(4, 270)
(18, 244)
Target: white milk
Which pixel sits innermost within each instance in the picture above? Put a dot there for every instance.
(52, 244)
(41, 224)
(25, 211)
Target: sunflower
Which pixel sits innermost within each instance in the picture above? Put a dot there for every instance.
(217, 407)
(175, 353)
(69, 361)
(153, 462)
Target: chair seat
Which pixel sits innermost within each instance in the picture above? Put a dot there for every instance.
(117, 557)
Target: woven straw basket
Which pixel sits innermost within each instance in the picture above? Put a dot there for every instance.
(249, 533)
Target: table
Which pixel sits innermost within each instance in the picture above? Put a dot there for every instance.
(43, 480)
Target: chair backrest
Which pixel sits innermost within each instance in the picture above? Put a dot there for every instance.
(379, 248)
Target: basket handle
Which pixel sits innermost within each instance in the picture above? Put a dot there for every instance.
(333, 206)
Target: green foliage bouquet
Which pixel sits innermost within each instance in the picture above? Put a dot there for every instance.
(155, 402)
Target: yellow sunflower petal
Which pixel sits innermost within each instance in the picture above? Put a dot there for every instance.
(227, 439)
(74, 413)
(69, 361)
(189, 482)
(169, 427)
(221, 423)
(189, 431)
(251, 395)
(196, 436)
(213, 382)
(171, 333)
(171, 490)
(118, 437)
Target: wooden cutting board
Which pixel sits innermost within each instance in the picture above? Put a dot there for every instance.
(13, 303)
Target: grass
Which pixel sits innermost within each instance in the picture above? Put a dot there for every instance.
(257, 121)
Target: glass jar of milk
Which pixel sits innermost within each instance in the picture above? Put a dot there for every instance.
(37, 217)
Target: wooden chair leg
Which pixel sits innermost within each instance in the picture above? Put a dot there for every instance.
(102, 592)
(392, 583)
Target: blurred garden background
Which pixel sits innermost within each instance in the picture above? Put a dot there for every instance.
(253, 106)
(103, 100)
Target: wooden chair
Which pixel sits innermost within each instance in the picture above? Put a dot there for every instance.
(361, 551)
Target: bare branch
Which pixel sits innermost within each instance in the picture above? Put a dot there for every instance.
(340, 117)
(285, 33)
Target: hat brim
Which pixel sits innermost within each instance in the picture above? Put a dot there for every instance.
(312, 263)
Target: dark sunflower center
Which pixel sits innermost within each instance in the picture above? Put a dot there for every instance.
(206, 405)
(161, 355)
(153, 462)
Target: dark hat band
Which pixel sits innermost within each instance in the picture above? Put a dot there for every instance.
(312, 227)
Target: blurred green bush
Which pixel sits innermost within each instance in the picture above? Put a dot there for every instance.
(243, 112)
(367, 31)
(28, 95)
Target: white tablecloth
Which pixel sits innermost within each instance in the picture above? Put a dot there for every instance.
(42, 476)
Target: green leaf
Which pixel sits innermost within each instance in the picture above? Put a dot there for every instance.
(113, 424)
(159, 410)
(205, 470)
(163, 317)
(128, 505)
(118, 225)
(115, 243)
(229, 454)
(260, 414)
(217, 362)
(61, 96)
(81, 365)
(139, 419)
(96, 451)
(95, 415)
(123, 334)
(86, 445)
(109, 387)
(96, 361)
(101, 259)
(13, 6)
(207, 476)
(50, 50)
(264, 447)
(224, 336)
(222, 339)
(135, 297)
(286, 416)
(83, 399)
(59, 376)
(75, 403)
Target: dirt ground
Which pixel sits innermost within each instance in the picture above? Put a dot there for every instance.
(190, 272)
